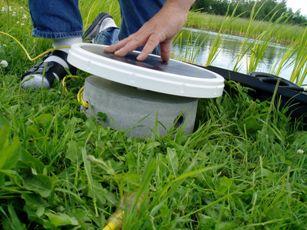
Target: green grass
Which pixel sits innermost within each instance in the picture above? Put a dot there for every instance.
(243, 168)
(286, 34)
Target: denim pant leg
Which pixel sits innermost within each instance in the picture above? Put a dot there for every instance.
(62, 19)
(134, 14)
(56, 18)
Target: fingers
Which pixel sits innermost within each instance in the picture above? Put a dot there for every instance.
(149, 40)
(152, 42)
(131, 45)
(119, 45)
(165, 48)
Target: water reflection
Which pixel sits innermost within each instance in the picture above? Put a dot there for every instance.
(194, 46)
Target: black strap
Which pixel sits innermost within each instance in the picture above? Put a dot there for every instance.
(54, 68)
(63, 55)
(287, 94)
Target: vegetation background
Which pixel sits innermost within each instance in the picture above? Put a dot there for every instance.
(244, 8)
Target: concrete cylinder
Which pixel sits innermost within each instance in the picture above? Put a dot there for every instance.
(140, 113)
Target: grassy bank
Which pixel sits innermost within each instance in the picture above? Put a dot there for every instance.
(286, 34)
(251, 52)
(244, 167)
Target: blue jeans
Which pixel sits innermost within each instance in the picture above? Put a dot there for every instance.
(62, 19)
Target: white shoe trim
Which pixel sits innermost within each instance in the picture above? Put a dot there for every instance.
(107, 23)
(34, 81)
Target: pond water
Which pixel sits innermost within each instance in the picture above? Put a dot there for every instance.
(195, 47)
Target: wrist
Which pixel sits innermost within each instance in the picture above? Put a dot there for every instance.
(174, 8)
(182, 5)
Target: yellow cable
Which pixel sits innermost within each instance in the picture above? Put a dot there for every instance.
(63, 82)
(80, 99)
(110, 226)
(115, 221)
(25, 50)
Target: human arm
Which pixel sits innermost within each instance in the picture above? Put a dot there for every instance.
(159, 30)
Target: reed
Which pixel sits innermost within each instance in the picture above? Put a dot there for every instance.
(252, 51)
(260, 45)
(188, 45)
(286, 35)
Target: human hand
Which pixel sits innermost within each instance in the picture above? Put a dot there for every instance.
(160, 30)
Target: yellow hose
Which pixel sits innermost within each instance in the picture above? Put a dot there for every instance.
(25, 50)
(63, 82)
(115, 221)
(80, 99)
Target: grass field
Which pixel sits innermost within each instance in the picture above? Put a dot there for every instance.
(285, 34)
(243, 168)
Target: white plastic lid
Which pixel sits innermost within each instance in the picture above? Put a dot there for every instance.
(175, 78)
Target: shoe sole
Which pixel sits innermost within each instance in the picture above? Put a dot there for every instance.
(91, 32)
